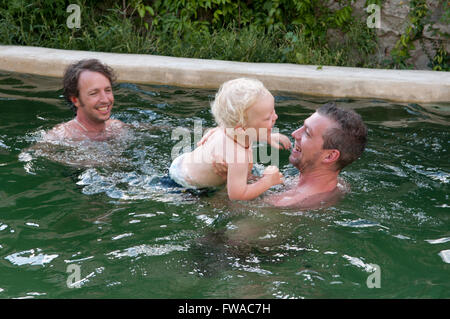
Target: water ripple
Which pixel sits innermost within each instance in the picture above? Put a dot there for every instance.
(147, 250)
(438, 241)
(445, 255)
(432, 173)
(28, 257)
(355, 261)
(359, 223)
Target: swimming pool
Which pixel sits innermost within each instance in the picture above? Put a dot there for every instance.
(129, 236)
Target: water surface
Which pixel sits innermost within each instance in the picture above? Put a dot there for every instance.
(102, 206)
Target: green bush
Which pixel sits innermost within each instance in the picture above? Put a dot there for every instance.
(290, 31)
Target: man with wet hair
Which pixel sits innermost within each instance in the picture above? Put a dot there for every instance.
(329, 140)
(88, 90)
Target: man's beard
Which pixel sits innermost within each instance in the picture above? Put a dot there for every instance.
(93, 118)
(304, 165)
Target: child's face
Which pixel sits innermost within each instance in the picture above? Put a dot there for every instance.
(261, 115)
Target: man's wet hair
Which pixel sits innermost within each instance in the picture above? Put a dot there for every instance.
(72, 74)
(350, 137)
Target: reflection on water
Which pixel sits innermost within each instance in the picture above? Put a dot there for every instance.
(29, 257)
(121, 167)
(108, 207)
(84, 153)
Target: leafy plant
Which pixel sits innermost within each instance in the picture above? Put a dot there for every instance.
(418, 18)
(292, 31)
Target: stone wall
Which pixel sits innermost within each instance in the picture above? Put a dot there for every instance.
(394, 20)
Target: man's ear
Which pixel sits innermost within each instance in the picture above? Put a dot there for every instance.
(75, 101)
(332, 156)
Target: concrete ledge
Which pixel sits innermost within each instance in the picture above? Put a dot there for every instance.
(393, 85)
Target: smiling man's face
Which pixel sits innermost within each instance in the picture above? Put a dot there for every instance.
(96, 99)
(308, 150)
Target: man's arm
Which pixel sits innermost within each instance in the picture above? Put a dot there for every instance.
(294, 199)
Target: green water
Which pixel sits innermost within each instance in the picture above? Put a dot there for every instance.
(135, 238)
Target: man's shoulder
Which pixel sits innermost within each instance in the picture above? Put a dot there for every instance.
(294, 199)
(116, 124)
(116, 121)
(59, 131)
(322, 200)
(62, 126)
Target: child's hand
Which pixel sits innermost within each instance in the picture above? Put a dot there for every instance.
(279, 141)
(273, 174)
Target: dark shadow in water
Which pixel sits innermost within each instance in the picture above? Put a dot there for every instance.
(237, 236)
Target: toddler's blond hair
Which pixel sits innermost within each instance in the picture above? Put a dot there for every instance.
(234, 98)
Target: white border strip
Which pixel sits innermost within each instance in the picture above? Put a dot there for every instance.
(393, 85)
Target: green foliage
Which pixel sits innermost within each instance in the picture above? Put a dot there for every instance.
(441, 60)
(401, 51)
(418, 18)
(178, 17)
(291, 31)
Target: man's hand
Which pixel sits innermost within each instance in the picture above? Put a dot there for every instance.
(220, 166)
(279, 141)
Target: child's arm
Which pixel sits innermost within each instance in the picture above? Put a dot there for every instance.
(237, 186)
(278, 140)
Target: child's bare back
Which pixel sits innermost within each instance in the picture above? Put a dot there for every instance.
(199, 163)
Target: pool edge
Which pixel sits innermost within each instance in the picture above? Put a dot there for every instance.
(341, 82)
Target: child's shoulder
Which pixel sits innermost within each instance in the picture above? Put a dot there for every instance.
(215, 136)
